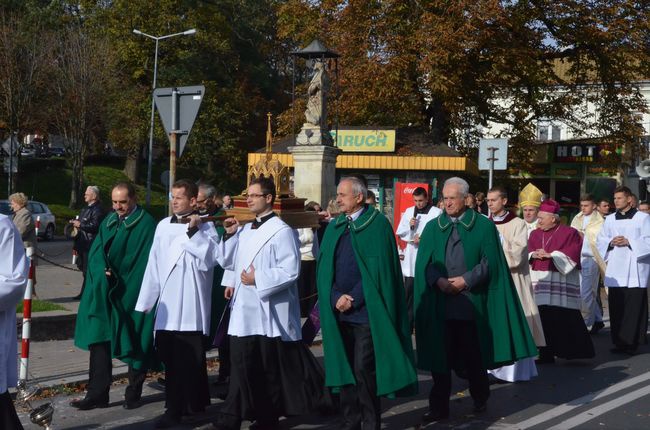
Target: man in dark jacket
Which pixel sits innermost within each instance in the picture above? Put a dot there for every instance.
(87, 225)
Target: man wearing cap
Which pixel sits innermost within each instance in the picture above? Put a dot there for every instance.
(589, 222)
(554, 253)
(624, 243)
(529, 200)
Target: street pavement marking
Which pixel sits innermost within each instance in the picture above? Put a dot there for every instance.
(596, 411)
(580, 401)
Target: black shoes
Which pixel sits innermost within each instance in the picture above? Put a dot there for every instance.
(624, 350)
(434, 415)
(598, 326)
(167, 420)
(479, 408)
(87, 404)
(131, 404)
(545, 360)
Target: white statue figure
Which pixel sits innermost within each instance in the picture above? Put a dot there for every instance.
(316, 112)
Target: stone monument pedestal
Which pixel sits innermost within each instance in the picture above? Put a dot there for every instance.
(311, 134)
(314, 172)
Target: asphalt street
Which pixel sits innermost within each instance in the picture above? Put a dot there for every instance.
(607, 392)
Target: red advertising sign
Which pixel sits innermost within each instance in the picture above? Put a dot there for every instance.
(404, 200)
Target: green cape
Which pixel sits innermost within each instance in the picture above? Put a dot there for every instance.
(503, 331)
(106, 311)
(383, 289)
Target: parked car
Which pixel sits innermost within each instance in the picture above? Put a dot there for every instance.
(48, 221)
(27, 151)
(56, 151)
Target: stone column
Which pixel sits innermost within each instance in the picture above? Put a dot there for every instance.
(314, 172)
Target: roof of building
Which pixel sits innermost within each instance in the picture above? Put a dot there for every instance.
(409, 141)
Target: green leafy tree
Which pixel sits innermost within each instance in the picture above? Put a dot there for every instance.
(459, 66)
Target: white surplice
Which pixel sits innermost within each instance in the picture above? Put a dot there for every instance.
(514, 240)
(14, 268)
(179, 277)
(405, 233)
(270, 307)
(627, 266)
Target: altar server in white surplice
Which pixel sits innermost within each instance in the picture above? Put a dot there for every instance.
(589, 222)
(410, 227)
(179, 278)
(273, 374)
(624, 243)
(14, 266)
(514, 241)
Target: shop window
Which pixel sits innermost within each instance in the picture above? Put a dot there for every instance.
(556, 133)
(543, 133)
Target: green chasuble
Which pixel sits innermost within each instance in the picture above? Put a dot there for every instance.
(218, 300)
(106, 311)
(502, 328)
(383, 289)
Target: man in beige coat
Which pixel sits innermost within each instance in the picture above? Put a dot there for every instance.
(589, 222)
(513, 233)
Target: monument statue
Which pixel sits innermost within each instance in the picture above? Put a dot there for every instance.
(316, 112)
(314, 131)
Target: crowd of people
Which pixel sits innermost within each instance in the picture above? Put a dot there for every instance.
(487, 295)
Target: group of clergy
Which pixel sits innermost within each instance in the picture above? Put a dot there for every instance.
(482, 293)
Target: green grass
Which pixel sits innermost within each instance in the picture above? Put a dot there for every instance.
(41, 306)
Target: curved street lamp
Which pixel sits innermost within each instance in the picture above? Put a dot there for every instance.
(153, 108)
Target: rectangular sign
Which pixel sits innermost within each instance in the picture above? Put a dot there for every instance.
(493, 150)
(365, 140)
(578, 153)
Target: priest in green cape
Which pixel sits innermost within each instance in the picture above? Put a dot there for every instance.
(467, 313)
(107, 324)
(364, 320)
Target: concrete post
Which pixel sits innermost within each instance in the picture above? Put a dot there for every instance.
(314, 172)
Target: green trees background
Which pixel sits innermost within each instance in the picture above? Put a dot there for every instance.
(76, 69)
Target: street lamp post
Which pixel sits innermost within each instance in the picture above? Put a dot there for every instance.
(153, 107)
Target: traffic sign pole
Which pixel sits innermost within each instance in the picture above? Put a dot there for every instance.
(492, 150)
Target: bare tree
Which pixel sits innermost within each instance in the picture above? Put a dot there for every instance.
(23, 60)
(81, 87)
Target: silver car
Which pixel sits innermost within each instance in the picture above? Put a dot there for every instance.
(48, 221)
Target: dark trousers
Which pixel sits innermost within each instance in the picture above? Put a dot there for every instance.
(628, 316)
(461, 345)
(100, 375)
(82, 264)
(8, 417)
(409, 283)
(359, 403)
(186, 376)
(255, 389)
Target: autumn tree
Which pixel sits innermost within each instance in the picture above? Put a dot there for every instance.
(82, 84)
(458, 66)
(23, 61)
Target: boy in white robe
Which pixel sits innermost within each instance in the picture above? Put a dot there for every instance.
(14, 267)
(271, 374)
(179, 278)
(588, 223)
(410, 227)
(624, 243)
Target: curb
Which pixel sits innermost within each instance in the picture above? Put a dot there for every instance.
(54, 325)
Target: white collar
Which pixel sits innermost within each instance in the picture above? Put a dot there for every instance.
(356, 214)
